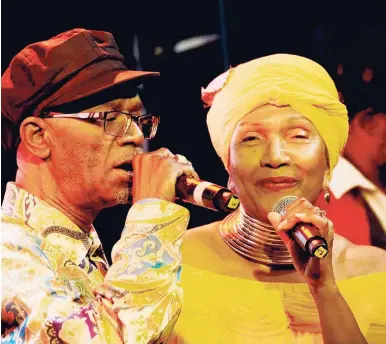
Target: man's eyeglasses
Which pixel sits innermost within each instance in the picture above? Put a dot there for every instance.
(116, 123)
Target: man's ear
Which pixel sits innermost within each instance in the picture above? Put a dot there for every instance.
(374, 125)
(33, 133)
(366, 122)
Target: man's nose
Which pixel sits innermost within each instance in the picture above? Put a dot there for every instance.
(133, 135)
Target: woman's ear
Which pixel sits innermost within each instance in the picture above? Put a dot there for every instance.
(326, 185)
(231, 185)
(326, 178)
(34, 136)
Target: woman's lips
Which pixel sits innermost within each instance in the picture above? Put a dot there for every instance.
(278, 183)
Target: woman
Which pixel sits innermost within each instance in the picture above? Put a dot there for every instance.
(278, 126)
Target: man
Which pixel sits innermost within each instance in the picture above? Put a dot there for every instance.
(358, 207)
(71, 103)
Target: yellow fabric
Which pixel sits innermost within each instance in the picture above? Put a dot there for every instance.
(281, 80)
(57, 286)
(227, 310)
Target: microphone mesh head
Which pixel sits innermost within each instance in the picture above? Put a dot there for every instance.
(279, 207)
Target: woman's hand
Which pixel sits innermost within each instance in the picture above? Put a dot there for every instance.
(316, 272)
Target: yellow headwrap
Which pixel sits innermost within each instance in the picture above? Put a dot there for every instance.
(280, 80)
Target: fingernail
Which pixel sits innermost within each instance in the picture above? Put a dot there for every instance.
(262, 268)
(299, 215)
(282, 224)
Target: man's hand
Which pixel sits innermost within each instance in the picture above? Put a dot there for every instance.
(156, 173)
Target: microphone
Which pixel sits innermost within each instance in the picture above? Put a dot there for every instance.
(305, 234)
(199, 192)
(202, 193)
(206, 194)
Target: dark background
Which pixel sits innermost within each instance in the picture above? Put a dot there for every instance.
(329, 34)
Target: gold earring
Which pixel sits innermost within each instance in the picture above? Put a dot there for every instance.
(327, 197)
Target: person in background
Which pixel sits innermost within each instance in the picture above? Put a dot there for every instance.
(358, 202)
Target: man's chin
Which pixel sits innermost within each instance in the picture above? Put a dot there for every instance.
(123, 198)
(120, 196)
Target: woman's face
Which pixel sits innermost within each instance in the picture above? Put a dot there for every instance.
(276, 152)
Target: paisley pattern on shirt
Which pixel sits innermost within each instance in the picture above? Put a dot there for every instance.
(57, 286)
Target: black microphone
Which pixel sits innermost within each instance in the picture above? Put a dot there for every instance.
(305, 234)
(203, 194)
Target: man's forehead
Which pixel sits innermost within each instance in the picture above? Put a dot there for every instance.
(133, 103)
(128, 104)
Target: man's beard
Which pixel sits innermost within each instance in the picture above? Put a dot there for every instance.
(123, 196)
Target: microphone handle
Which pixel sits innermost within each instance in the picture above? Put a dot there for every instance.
(309, 239)
(201, 193)
(206, 194)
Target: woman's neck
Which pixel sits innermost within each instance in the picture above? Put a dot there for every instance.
(254, 240)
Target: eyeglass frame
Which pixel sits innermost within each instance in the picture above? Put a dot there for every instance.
(103, 115)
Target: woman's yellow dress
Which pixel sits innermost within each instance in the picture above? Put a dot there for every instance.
(223, 309)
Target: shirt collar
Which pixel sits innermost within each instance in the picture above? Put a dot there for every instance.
(346, 177)
(48, 223)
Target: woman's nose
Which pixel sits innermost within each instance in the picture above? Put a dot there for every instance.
(274, 155)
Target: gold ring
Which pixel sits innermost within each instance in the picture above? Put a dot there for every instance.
(180, 158)
(322, 213)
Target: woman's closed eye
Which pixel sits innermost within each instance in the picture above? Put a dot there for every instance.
(298, 134)
(251, 137)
